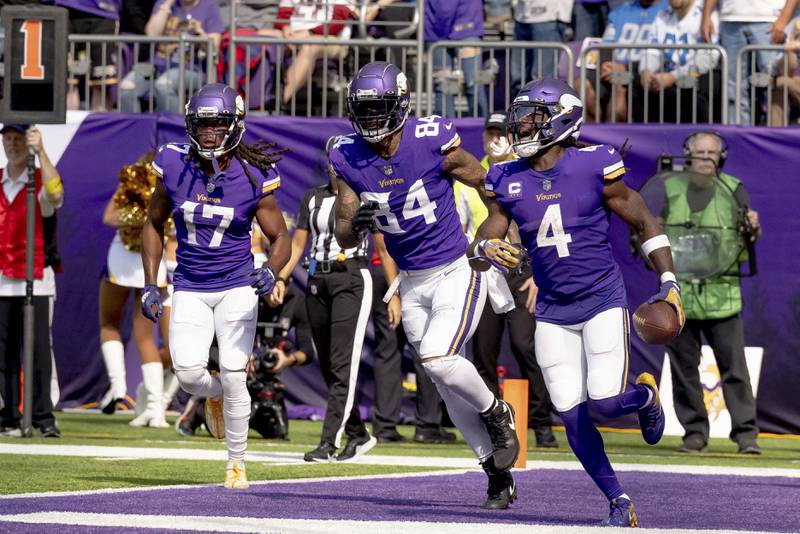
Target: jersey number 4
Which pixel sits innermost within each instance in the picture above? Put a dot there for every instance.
(209, 212)
(552, 224)
(417, 204)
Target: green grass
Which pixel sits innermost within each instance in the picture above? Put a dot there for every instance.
(27, 473)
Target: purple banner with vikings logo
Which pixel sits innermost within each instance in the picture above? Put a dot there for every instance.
(92, 148)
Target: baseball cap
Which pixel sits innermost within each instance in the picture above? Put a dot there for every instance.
(21, 128)
(496, 120)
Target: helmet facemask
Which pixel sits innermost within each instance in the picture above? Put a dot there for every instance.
(536, 125)
(375, 118)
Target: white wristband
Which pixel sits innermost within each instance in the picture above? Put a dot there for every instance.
(668, 276)
(654, 243)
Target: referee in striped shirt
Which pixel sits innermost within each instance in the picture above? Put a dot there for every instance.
(338, 301)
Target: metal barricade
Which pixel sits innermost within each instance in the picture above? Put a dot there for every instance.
(707, 83)
(340, 58)
(339, 61)
(450, 82)
(772, 72)
(190, 50)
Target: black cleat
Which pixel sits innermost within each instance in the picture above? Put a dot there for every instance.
(502, 490)
(356, 447)
(49, 431)
(325, 453)
(499, 422)
(434, 436)
(545, 438)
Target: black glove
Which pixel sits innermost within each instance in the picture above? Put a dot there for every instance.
(364, 219)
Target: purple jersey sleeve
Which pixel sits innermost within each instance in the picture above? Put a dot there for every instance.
(270, 179)
(610, 167)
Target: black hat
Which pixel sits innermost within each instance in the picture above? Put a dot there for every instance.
(21, 128)
(496, 120)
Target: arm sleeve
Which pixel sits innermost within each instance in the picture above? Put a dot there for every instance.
(159, 161)
(303, 214)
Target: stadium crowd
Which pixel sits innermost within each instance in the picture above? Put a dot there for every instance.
(681, 84)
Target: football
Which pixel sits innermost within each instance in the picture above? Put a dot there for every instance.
(656, 323)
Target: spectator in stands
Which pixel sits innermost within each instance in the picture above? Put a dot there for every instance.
(172, 18)
(96, 17)
(663, 70)
(304, 19)
(538, 20)
(713, 306)
(741, 23)
(787, 81)
(589, 18)
(134, 14)
(448, 20)
(18, 139)
(630, 23)
(496, 14)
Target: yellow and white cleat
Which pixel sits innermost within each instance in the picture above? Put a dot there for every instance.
(236, 477)
(215, 420)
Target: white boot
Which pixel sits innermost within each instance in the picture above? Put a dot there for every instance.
(153, 414)
(114, 358)
(141, 399)
(171, 387)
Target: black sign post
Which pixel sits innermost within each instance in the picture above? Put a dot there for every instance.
(34, 91)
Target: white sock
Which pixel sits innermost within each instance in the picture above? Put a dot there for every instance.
(171, 387)
(114, 358)
(236, 410)
(468, 422)
(153, 378)
(458, 373)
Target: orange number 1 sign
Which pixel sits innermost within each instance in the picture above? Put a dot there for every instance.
(32, 68)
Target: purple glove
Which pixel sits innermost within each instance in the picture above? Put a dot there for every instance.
(151, 296)
(670, 293)
(263, 280)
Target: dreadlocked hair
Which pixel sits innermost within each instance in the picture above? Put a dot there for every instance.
(258, 156)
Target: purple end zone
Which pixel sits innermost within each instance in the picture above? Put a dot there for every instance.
(663, 500)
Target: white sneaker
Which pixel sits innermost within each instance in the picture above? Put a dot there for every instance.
(153, 420)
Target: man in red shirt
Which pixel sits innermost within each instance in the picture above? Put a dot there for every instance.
(18, 139)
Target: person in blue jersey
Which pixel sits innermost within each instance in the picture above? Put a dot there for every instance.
(402, 169)
(630, 23)
(561, 197)
(213, 187)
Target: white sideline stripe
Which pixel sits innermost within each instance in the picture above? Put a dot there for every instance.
(315, 526)
(288, 458)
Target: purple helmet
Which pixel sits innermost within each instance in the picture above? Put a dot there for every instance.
(545, 112)
(220, 107)
(378, 101)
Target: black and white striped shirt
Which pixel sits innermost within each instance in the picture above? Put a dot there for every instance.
(317, 216)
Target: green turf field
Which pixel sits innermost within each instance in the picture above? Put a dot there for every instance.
(32, 473)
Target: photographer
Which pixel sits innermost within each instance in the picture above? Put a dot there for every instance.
(713, 305)
(275, 352)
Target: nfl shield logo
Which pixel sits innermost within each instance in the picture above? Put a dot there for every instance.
(546, 185)
(388, 170)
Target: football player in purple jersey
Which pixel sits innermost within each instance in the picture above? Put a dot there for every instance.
(402, 170)
(213, 187)
(561, 196)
